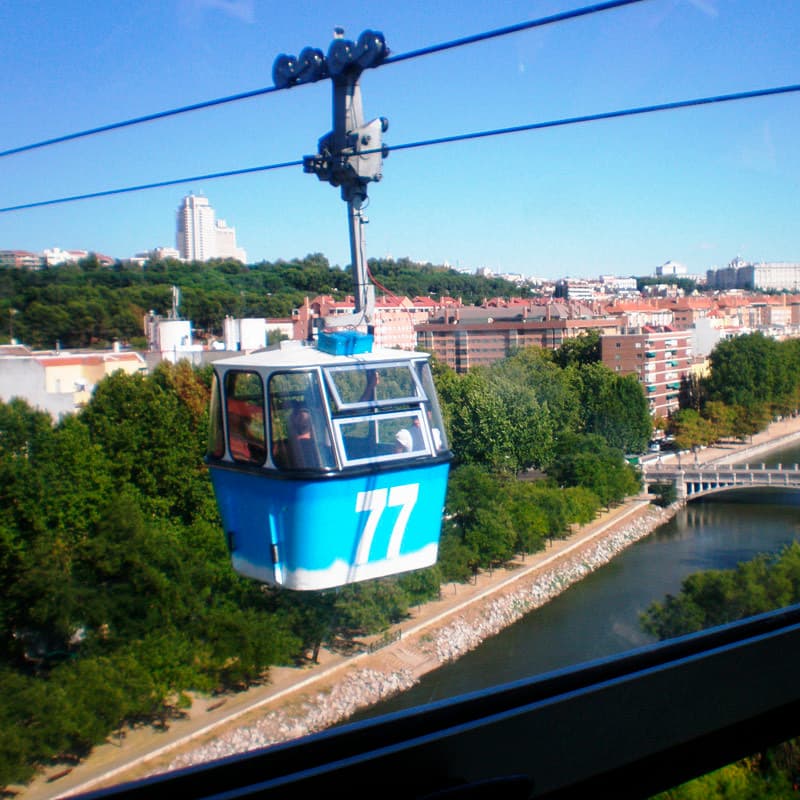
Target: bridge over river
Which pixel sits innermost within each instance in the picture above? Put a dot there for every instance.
(702, 479)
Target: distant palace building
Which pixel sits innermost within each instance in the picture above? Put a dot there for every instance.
(201, 237)
(778, 276)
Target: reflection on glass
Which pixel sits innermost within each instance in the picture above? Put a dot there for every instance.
(245, 410)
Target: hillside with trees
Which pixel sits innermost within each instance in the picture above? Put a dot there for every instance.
(87, 304)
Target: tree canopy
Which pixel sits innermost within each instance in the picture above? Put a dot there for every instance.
(88, 304)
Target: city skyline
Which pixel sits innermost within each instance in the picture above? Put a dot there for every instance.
(697, 186)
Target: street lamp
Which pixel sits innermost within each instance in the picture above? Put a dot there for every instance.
(12, 312)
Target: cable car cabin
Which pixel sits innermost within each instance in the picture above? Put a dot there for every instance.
(328, 468)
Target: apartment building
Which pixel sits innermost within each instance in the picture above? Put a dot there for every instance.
(477, 337)
(59, 382)
(659, 359)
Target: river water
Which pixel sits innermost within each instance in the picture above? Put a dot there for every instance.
(599, 616)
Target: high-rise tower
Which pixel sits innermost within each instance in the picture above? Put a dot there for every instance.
(196, 236)
(199, 237)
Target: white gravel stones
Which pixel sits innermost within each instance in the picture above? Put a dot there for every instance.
(357, 690)
(460, 636)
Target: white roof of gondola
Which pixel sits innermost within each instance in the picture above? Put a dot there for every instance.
(293, 353)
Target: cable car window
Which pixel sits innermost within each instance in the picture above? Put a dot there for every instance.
(434, 412)
(216, 432)
(360, 387)
(298, 422)
(382, 437)
(244, 404)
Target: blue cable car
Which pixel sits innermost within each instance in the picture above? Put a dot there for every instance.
(328, 468)
(330, 462)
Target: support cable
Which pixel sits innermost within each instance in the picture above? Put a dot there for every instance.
(437, 48)
(628, 112)
(562, 16)
(141, 187)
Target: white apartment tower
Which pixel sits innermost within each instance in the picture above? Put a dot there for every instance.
(196, 238)
(199, 237)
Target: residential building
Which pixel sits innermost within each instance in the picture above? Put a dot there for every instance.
(672, 269)
(201, 237)
(634, 314)
(393, 325)
(196, 237)
(659, 359)
(468, 337)
(170, 339)
(226, 242)
(59, 382)
(575, 289)
(244, 334)
(20, 259)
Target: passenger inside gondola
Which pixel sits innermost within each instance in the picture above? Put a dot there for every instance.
(245, 411)
(299, 428)
(303, 450)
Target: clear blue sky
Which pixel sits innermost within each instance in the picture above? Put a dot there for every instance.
(697, 186)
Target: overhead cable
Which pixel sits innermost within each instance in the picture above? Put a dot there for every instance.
(562, 16)
(522, 26)
(627, 112)
(141, 187)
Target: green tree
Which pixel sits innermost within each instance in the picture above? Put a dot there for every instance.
(615, 407)
(587, 460)
(691, 430)
(154, 438)
(580, 350)
(477, 420)
(748, 371)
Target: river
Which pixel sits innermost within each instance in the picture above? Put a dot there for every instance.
(599, 616)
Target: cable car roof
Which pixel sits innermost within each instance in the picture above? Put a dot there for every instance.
(292, 353)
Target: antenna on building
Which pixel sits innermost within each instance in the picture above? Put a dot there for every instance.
(176, 301)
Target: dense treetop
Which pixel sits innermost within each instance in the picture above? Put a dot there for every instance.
(87, 304)
(714, 597)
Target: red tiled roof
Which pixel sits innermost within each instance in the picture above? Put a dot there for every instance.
(89, 359)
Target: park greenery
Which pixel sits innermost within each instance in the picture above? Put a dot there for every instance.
(119, 599)
(87, 304)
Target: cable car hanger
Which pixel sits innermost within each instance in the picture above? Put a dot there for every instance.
(351, 155)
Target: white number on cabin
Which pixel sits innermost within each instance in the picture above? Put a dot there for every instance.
(375, 502)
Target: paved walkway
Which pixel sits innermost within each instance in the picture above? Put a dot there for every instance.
(144, 750)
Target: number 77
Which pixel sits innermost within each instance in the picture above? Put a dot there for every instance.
(375, 502)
